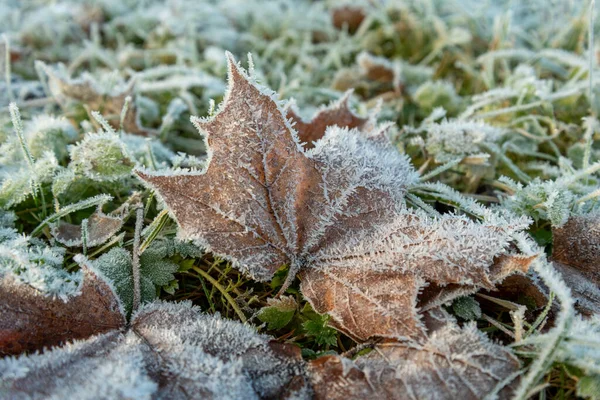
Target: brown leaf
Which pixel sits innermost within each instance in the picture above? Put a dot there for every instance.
(507, 265)
(453, 363)
(173, 351)
(101, 227)
(364, 304)
(367, 303)
(336, 114)
(576, 255)
(347, 16)
(31, 321)
(523, 289)
(377, 68)
(86, 91)
(336, 211)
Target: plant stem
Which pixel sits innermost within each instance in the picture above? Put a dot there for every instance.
(221, 289)
(139, 221)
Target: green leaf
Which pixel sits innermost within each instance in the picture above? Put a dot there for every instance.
(320, 331)
(589, 387)
(102, 157)
(466, 308)
(279, 312)
(154, 272)
(158, 270)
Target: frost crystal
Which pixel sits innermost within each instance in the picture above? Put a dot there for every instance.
(33, 263)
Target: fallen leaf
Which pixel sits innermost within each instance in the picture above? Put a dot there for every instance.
(87, 91)
(336, 114)
(576, 255)
(348, 17)
(367, 303)
(30, 321)
(100, 228)
(452, 363)
(377, 68)
(502, 268)
(335, 212)
(172, 350)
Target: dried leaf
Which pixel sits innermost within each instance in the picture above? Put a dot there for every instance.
(30, 321)
(504, 266)
(100, 228)
(171, 351)
(452, 363)
(336, 114)
(576, 255)
(377, 68)
(367, 303)
(86, 90)
(348, 17)
(336, 211)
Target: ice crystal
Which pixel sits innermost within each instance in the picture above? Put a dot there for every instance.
(451, 140)
(32, 262)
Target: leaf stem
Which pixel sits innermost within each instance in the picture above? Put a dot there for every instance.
(221, 289)
(139, 221)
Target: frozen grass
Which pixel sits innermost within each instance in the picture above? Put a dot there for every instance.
(495, 103)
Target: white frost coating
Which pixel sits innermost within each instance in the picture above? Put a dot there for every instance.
(32, 262)
(453, 139)
(172, 351)
(110, 84)
(108, 366)
(101, 156)
(439, 249)
(347, 162)
(17, 181)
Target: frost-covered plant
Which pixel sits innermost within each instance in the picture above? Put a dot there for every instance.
(33, 262)
(101, 156)
(433, 94)
(48, 133)
(454, 139)
(514, 87)
(555, 200)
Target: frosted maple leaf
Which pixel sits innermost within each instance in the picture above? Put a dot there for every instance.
(451, 363)
(336, 213)
(168, 350)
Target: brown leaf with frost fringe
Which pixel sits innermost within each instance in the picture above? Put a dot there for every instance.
(170, 351)
(335, 211)
(452, 363)
(31, 321)
(101, 227)
(576, 255)
(336, 114)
